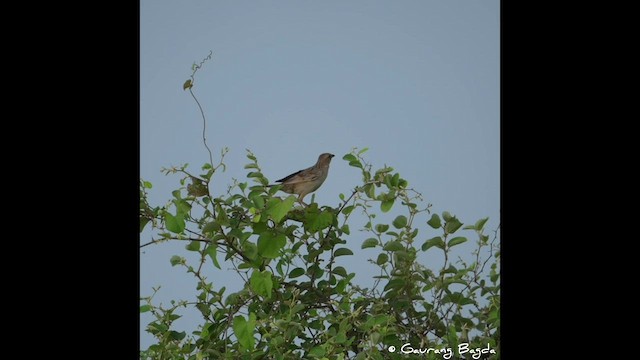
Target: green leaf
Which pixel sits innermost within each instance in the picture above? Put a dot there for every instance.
(269, 244)
(393, 246)
(317, 222)
(446, 216)
(175, 224)
(187, 85)
(211, 228)
(375, 337)
(175, 260)
(436, 241)
(465, 301)
(314, 270)
(452, 225)
(143, 223)
(250, 250)
(296, 272)
(363, 151)
(278, 209)
(384, 170)
(193, 246)
(255, 174)
(370, 190)
(380, 319)
(376, 320)
(261, 283)
(158, 328)
(434, 222)
(213, 254)
(463, 322)
(147, 185)
(402, 256)
(451, 269)
(386, 205)
(349, 157)
(317, 351)
(387, 181)
(182, 207)
(457, 240)
(370, 242)
(395, 179)
(339, 270)
(382, 228)
(259, 227)
(480, 223)
(342, 251)
(494, 275)
(342, 285)
(174, 335)
(452, 337)
(257, 197)
(243, 330)
(382, 259)
(232, 299)
(400, 222)
(145, 308)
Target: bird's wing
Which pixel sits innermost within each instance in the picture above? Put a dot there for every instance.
(290, 176)
(300, 176)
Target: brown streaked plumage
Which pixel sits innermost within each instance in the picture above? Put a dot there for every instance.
(308, 180)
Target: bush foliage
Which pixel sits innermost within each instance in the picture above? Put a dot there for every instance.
(296, 301)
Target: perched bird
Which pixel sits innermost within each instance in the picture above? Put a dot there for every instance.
(308, 180)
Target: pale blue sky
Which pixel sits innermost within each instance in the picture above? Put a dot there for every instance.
(415, 81)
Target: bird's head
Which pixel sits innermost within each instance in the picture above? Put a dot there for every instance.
(325, 159)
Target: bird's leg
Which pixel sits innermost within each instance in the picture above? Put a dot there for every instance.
(302, 202)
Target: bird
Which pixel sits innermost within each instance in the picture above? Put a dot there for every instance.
(306, 181)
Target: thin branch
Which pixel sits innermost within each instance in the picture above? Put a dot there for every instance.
(185, 239)
(204, 120)
(152, 242)
(355, 191)
(204, 127)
